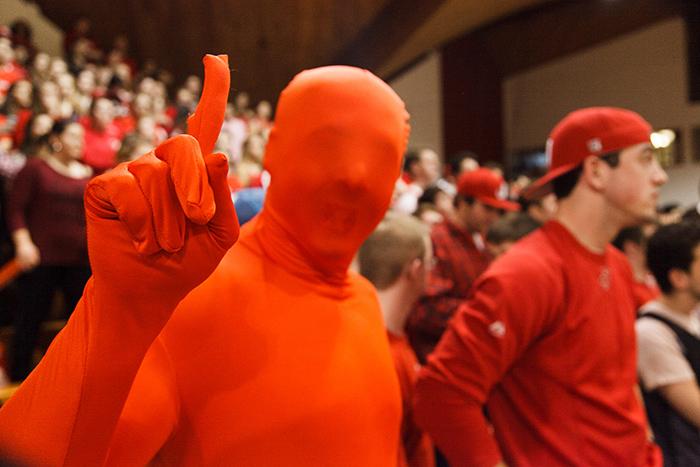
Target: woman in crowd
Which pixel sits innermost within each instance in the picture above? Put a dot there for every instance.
(47, 222)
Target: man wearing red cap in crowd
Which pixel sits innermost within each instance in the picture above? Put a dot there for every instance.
(461, 255)
(546, 342)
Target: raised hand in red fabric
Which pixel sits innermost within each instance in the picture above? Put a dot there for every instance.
(157, 227)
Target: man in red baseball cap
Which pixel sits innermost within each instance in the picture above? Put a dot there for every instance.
(546, 342)
(461, 255)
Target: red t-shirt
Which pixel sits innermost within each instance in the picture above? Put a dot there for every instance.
(101, 146)
(415, 450)
(547, 344)
(126, 124)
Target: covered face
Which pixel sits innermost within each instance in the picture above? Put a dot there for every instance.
(334, 155)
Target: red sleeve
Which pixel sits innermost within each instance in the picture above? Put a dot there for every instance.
(20, 196)
(513, 304)
(416, 449)
(87, 384)
(428, 320)
(151, 411)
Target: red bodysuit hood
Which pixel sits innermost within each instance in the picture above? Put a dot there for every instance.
(334, 155)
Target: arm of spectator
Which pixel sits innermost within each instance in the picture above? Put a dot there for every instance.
(157, 227)
(150, 414)
(684, 397)
(510, 308)
(26, 252)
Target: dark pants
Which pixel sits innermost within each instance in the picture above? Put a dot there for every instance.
(36, 290)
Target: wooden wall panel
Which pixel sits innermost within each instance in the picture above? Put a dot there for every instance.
(268, 41)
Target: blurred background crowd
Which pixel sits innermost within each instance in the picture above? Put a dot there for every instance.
(65, 119)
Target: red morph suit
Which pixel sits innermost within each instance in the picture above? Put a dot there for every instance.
(279, 357)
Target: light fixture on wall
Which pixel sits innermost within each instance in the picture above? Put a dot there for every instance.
(663, 138)
(666, 143)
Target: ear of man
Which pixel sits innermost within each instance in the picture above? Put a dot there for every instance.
(596, 173)
(679, 279)
(413, 269)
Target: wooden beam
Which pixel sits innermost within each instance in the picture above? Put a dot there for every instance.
(691, 14)
(385, 34)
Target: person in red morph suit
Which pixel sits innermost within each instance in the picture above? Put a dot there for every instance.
(279, 357)
(546, 342)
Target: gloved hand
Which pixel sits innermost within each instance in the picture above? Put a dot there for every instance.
(158, 226)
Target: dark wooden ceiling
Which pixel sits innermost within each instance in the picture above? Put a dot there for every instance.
(269, 41)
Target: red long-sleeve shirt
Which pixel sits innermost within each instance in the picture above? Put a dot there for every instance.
(459, 264)
(547, 344)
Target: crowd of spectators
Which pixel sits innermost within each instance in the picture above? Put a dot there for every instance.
(65, 119)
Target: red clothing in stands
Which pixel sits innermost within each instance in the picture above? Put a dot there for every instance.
(415, 450)
(50, 206)
(10, 73)
(23, 117)
(459, 263)
(126, 124)
(101, 146)
(547, 344)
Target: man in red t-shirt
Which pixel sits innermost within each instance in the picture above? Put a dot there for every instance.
(461, 255)
(396, 259)
(546, 343)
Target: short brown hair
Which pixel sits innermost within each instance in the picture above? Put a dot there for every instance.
(396, 241)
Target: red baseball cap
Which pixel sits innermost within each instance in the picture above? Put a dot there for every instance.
(593, 131)
(486, 186)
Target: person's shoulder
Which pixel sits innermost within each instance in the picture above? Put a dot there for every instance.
(34, 165)
(651, 330)
(440, 228)
(534, 257)
(617, 257)
(34, 162)
(361, 285)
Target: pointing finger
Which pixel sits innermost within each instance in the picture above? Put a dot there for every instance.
(206, 121)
